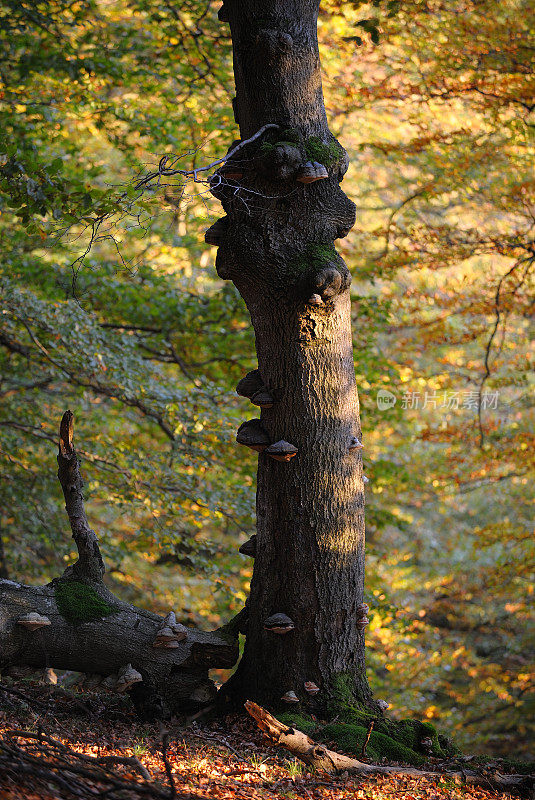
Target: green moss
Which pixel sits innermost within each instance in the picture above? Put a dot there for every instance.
(266, 148)
(406, 734)
(351, 738)
(391, 739)
(77, 602)
(291, 135)
(299, 721)
(283, 143)
(312, 259)
(317, 150)
(343, 684)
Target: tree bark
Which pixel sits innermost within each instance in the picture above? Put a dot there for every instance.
(278, 249)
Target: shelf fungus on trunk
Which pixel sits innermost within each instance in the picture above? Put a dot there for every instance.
(248, 548)
(231, 171)
(362, 610)
(312, 171)
(252, 434)
(127, 677)
(281, 451)
(383, 705)
(262, 398)
(217, 232)
(49, 677)
(250, 384)
(170, 633)
(290, 697)
(355, 444)
(279, 623)
(362, 622)
(365, 479)
(279, 161)
(311, 687)
(315, 300)
(33, 621)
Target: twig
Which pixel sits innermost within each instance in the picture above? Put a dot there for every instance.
(168, 770)
(164, 170)
(368, 734)
(223, 742)
(27, 698)
(49, 758)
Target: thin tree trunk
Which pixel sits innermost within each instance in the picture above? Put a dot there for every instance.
(278, 249)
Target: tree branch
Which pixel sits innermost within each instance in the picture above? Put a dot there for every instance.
(90, 564)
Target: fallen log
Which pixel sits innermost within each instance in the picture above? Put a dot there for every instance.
(76, 623)
(319, 757)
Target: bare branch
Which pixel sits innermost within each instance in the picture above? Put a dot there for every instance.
(90, 564)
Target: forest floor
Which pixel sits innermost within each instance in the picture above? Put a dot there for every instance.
(57, 743)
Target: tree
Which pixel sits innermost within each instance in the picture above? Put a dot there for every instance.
(442, 215)
(277, 247)
(285, 209)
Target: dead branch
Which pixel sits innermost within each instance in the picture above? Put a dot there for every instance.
(318, 756)
(90, 564)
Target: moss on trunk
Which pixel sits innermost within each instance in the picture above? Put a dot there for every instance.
(78, 602)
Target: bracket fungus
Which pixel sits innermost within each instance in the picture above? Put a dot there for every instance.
(427, 745)
(170, 633)
(362, 622)
(282, 161)
(248, 548)
(365, 479)
(262, 398)
(231, 171)
(127, 677)
(312, 171)
(281, 451)
(362, 610)
(252, 434)
(250, 384)
(315, 300)
(279, 623)
(355, 444)
(216, 233)
(383, 705)
(33, 621)
(49, 677)
(290, 697)
(311, 687)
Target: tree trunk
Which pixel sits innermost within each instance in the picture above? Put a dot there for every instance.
(172, 679)
(277, 247)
